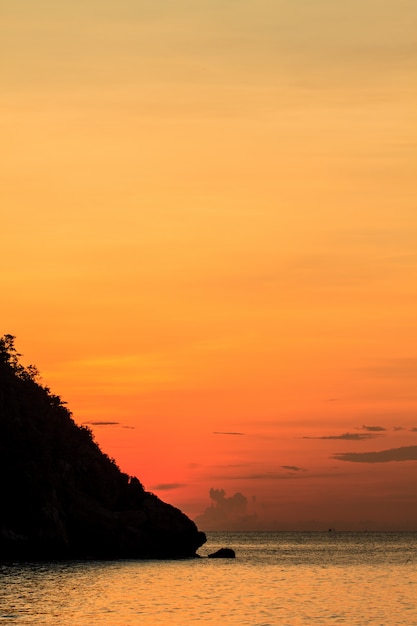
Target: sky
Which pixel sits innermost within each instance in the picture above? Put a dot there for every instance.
(209, 246)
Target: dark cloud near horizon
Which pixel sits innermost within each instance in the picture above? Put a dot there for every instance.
(413, 430)
(293, 468)
(167, 486)
(347, 436)
(373, 429)
(237, 502)
(219, 432)
(405, 453)
(225, 512)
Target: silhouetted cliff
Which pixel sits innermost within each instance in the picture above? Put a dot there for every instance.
(61, 496)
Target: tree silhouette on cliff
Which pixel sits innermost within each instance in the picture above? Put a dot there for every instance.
(61, 496)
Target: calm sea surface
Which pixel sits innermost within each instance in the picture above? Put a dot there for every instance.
(276, 579)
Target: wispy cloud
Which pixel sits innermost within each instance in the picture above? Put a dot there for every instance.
(392, 368)
(270, 476)
(108, 423)
(289, 474)
(405, 453)
(101, 423)
(167, 486)
(346, 436)
(373, 428)
(293, 468)
(218, 432)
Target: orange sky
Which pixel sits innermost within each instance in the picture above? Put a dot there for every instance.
(209, 237)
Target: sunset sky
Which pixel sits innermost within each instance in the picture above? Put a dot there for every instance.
(209, 246)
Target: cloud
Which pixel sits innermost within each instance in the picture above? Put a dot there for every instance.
(225, 513)
(237, 502)
(267, 476)
(393, 368)
(373, 428)
(293, 468)
(405, 453)
(102, 423)
(346, 436)
(291, 474)
(167, 486)
(107, 423)
(218, 432)
(413, 430)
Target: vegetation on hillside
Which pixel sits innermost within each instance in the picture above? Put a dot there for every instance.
(61, 495)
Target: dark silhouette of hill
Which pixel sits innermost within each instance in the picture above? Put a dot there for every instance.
(61, 496)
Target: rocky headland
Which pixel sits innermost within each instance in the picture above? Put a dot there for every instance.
(61, 496)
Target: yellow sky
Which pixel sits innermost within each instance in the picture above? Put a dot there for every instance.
(209, 227)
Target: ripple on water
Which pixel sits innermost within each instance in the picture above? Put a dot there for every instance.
(298, 585)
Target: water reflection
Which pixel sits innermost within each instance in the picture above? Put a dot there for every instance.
(277, 578)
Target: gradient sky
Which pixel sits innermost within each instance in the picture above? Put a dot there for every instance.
(209, 246)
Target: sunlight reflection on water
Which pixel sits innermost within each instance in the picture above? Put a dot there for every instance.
(276, 579)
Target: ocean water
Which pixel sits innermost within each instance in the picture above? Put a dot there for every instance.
(285, 579)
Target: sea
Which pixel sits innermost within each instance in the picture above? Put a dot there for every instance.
(276, 579)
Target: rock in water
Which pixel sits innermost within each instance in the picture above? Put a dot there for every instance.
(223, 553)
(61, 496)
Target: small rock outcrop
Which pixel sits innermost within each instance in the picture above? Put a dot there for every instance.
(223, 553)
(61, 496)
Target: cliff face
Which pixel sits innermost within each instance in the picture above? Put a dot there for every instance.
(61, 496)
